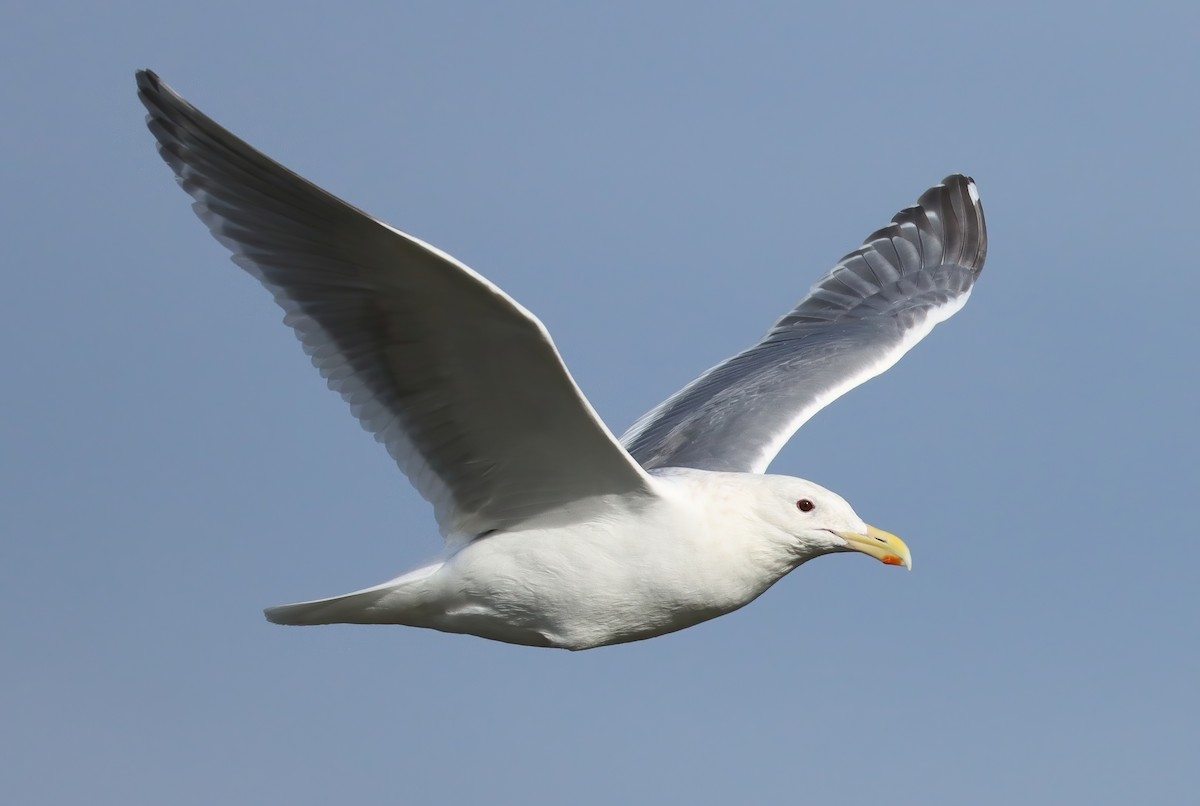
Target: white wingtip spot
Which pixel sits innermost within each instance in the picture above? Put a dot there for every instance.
(973, 192)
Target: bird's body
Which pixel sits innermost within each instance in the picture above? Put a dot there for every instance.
(558, 534)
(624, 570)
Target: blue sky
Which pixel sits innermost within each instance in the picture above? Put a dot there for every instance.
(657, 182)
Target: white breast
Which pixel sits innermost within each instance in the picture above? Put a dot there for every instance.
(684, 559)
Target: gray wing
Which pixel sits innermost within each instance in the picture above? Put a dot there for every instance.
(855, 323)
(462, 384)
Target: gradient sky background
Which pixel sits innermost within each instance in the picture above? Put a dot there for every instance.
(657, 182)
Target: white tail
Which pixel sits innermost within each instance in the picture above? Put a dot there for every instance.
(396, 601)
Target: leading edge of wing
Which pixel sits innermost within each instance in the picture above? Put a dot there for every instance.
(462, 384)
(855, 323)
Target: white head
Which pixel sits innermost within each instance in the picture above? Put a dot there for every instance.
(811, 521)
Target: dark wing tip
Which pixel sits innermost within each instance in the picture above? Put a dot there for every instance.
(151, 89)
(939, 242)
(159, 99)
(946, 225)
(953, 207)
(163, 107)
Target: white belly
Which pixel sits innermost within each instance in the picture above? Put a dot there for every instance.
(592, 585)
(613, 575)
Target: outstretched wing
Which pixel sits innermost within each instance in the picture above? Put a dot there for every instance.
(857, 322)
(462, 384)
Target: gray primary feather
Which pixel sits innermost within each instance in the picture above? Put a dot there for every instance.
(463, 386)
(855, 323)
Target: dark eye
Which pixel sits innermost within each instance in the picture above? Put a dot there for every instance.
(804, 505)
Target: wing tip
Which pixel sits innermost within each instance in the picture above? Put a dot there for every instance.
(150, 87)
(961, 184)
(953, 211)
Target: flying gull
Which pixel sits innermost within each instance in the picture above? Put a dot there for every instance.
(556, 533)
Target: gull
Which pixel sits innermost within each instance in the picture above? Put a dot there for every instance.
(556, 534)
